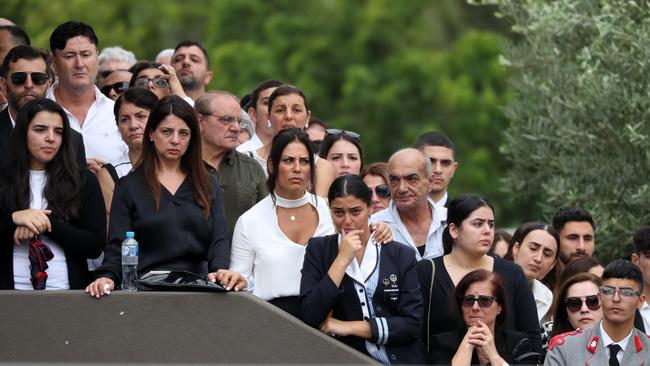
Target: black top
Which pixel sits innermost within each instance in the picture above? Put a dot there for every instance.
(177, 236)
(5, 138)
(512, 346)
(80, 238)
(397, 302)
(443, 316)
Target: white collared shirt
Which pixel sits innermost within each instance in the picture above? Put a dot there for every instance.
(433, 247)
(607, 341)
(645, 314)
(100, 134)
(543, 299)
(441, 202)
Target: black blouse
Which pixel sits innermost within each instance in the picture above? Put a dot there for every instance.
(177, 236)
(443, 316)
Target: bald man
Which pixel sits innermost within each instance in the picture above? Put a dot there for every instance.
(414, 218)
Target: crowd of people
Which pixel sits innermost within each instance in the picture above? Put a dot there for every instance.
(258, 195)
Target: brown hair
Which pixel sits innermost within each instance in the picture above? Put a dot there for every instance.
(560, 318)
(379, 169)
(498, 291)
(191, 161)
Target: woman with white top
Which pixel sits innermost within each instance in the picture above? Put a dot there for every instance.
(269, 240)
(51, 210)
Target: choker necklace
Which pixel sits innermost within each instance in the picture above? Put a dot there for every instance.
(292, 203)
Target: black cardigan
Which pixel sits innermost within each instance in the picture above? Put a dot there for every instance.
(81, 238)
(319, 295)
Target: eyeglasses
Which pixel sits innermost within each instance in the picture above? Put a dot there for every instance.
(118, 87)
(575, 303)
(382, 190)
(484, 301)
(38, 78)
(159, 83)
(609, 291)
(229, 120)
(104, 74)
(336, 131)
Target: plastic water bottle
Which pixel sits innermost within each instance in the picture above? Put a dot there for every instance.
(129, 263)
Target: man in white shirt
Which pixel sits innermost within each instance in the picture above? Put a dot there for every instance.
(614, 340)
(74, 49)
(440, 150)
(413, 217)
(641, 257)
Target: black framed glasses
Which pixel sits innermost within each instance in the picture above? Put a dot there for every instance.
(159, 83)
(609, 291)
(574, 303)
(336, 131)
(381, 190)
(484, 301)
(38, 78)
(118, 87)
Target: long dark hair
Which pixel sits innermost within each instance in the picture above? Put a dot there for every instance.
(560, 318)
(279, 143)
(458, 210)
(64, 177)
(191, 161)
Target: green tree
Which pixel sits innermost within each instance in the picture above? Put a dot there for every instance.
(579, 132)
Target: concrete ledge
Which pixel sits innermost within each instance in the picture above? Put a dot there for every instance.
(159, 327)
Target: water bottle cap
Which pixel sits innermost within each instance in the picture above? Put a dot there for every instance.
(130, 234)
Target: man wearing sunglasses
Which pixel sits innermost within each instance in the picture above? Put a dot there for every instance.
(74, 57)
(24, 78)
(10, 37)
(113, 59)
(614, 341)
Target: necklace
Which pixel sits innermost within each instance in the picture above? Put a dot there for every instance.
(292, 203)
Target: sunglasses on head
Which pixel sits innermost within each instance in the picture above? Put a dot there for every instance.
(484, 301)
(118, 87)
(382, 190)
(104, 74)
(336, 131)
(38, 78)
(574, 303)
(159, 83)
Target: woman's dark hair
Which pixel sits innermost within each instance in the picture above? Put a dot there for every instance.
(379, 169)
(560, 318)
(580, 265)
(500, 235)
(458, 209)
(64, 177)
(332, 138)
(522, 232)
(138, 96)
(137, 69)
(286, 89)
(279, 143)
(191, 161)
(347, 185)
(498, 291)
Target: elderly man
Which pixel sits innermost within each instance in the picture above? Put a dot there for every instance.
(414, 218)
(192, 66)
(241, 178)
(74, 50)
(113, 59)
(24, 78)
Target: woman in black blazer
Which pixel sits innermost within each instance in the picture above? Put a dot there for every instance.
(364, 294)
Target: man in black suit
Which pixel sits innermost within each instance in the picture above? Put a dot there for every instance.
(23, 77)
(440, 150)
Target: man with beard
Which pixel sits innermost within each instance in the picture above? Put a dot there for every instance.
(576, 228)
(24, 77)
(192, 66)
(241, 178)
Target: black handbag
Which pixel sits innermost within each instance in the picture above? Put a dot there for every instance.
(177, 281)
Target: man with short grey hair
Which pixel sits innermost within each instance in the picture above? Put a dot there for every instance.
(414, 218)
(113, 59)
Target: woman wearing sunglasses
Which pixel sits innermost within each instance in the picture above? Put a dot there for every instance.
(481, 303)
(160, 79)
(467, 240)
(364, 293)
(342, 149)
(52, 210)
(376, 177)
(576, 304)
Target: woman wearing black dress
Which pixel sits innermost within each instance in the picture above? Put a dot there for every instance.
(171, 203)
(467, 240)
